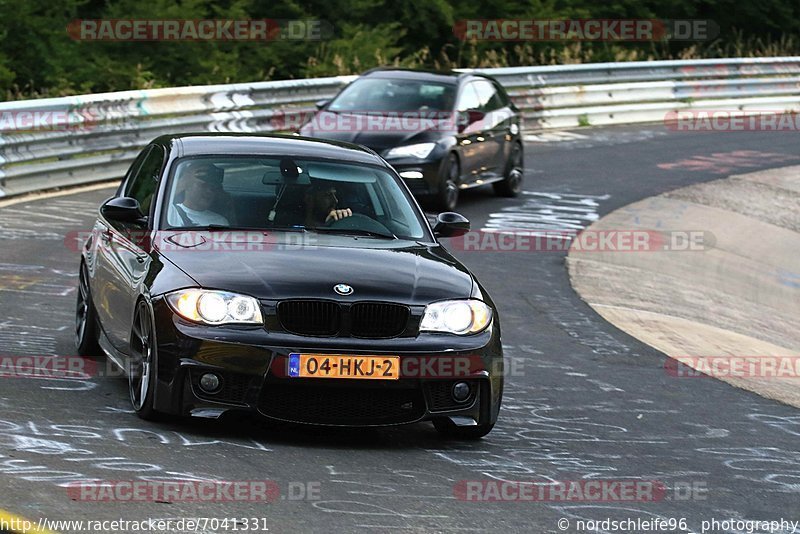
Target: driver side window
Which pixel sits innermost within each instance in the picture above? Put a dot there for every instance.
(144, 182)
(468, 99)
(488, 96)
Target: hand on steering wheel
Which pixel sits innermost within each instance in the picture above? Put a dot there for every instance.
(338, 215)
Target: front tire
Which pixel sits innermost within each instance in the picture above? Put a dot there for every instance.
(447, 196)
(448, 429)
(142, 368)
(85, 317)
(511, 185)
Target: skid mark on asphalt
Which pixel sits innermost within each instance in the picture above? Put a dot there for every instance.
(14, 233)
(591, 138)
(47, 221)
(62, 454)
(32, 286)
(398, 492)
(35, 280)
(37, 287)
(42, 441)
(724, 163)
(546, 443)
(790, 425)
(777, 468)
(19, 337)
(583, 328)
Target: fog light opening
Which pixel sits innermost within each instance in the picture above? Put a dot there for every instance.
(461, 391)
(210, 383)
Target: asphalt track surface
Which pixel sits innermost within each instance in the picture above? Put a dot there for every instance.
(582, 401)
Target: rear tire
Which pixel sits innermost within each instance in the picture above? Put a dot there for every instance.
(448, 429)
(85, 317)
(511, 185)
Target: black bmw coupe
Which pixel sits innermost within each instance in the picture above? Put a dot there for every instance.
(292, 277)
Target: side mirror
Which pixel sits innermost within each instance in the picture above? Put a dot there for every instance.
(471, 116)
(321, 103)
(123, 209)
(450, 224)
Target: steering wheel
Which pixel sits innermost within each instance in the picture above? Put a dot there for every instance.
(359, 221)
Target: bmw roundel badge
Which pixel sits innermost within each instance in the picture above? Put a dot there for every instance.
(343, 289)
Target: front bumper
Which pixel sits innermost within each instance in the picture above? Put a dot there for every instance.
(252, 364)
(430, 170)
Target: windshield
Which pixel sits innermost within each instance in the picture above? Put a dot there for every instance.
(290, 194)
(381, 94)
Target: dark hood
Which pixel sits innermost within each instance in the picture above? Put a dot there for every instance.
(377, 270)
(381, 134)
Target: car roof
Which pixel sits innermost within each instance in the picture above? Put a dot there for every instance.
(449, 77)
(198, 144)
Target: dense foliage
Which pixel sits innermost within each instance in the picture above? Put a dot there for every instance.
(39, 58)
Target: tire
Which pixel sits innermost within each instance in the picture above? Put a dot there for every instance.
(511, 185)
(448, 429)
(142, 368)
(447, 196)
(85, 317)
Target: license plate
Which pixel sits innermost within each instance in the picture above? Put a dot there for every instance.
(344, 366)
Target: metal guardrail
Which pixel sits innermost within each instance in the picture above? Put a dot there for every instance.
(92, 138)
(569, 96)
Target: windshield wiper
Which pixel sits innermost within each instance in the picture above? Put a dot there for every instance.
(294, 228)
(355, 231)
(241, 228)
(216, 227)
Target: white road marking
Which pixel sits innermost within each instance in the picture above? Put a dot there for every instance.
(554, 136)
(549, 212)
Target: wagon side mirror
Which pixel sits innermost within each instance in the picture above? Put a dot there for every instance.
(466, 118)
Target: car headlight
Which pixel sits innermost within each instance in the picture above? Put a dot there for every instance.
(419, 151)
(215, 307)
(456, 317)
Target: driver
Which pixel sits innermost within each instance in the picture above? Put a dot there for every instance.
(321, 206)
(203, 190)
